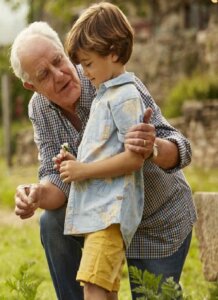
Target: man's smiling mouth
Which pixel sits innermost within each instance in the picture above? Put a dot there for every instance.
(64, 87)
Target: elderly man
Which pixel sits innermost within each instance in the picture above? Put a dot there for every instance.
(59, 110)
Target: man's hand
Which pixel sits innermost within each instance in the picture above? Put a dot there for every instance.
(141, 137)
(26, 200)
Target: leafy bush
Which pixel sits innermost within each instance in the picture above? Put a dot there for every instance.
(152, 288)
(24, 284)
(213, 290)
(196, 88)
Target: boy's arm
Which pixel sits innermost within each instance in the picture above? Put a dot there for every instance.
(117, 165)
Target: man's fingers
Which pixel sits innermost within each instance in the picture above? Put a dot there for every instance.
(141, 127)
(141, 131)
(32, 197)
(139, 142)
(21, 200)
(26, 216)
(23, 213)
(147, 115)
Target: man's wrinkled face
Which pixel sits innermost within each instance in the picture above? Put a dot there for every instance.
(50, 71)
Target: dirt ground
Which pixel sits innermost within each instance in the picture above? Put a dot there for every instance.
(8, 217)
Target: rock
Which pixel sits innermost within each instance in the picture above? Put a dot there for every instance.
(206, 231)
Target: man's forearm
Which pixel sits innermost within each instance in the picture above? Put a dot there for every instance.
(50, 196)
(168, 154)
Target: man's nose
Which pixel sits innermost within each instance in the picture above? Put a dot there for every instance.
(57, 73)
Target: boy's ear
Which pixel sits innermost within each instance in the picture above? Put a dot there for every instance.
(29, 86)
(115, 57)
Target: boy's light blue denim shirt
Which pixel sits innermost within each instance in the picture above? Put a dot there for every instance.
(96, 204)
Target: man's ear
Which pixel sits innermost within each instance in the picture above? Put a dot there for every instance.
(29, 86)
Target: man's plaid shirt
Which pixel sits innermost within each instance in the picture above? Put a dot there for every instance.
(169, 211)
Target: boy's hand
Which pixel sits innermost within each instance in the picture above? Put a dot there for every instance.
(71, 170)
(62, 156)
(141, 137)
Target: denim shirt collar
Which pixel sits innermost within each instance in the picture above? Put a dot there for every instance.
(127, 77)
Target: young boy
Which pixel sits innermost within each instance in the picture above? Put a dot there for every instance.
(107, 211)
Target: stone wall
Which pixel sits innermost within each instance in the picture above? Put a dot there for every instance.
(173, 52)
(206, 230)
(168, 56)
(199, 124)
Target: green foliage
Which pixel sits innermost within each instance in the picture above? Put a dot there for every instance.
(148, 283)
(202, 179)
(10, 178)
(213, 290)
(24, 283)
(198, 88)
(152, 288)
(4, 65)
(22, 259)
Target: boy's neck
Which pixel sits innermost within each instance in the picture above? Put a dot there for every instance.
(118, 71)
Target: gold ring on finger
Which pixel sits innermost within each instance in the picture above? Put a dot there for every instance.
(145, 143)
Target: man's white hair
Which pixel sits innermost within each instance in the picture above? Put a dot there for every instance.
(42, 29)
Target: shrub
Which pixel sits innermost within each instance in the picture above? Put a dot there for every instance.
(200, 88)
(24, 284)
(150, 287)
(213, 290)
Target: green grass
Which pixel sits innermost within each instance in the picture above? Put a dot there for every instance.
(192, 279)
(201, 180)
(20, 242)
(10, 178)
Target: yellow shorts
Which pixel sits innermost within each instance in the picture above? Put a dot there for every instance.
(102, 259)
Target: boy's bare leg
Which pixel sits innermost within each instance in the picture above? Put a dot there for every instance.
(94, 292)
(112, 296)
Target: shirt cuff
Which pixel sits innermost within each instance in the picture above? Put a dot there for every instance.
(56, 180)
(184, 153)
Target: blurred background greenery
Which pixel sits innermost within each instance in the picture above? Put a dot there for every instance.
(152, 20)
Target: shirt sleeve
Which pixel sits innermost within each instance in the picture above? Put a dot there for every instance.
(164, 129)
(126, 114)
(46, 142)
